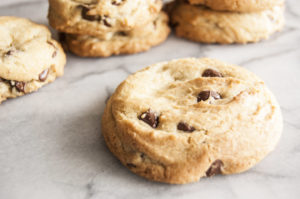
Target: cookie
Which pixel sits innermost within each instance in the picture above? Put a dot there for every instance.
(182, 120)
(238, 5)
(120, 42)
(30, 58)
(95, 18)
(202, 24)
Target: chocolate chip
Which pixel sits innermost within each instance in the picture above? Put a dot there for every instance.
(8, 53)
(105, 21)
(150, 118)
(50, 43)
(1, 80)
(211, 73)
(185, 127)
(130, 165)
(121, 33)
(204, 95)
(86, 16)
(43, 75)
(54, 53)
(117, 2)
(215, 168)
(20, 86)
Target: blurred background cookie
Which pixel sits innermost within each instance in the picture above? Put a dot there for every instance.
(202, 24)
(238, 5)
(125, 42)
(30, 57)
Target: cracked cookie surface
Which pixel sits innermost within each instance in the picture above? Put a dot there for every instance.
(238, 5)
(201, 24)
(29, 59)
(178, 121)
(124, 42)
(98, 17)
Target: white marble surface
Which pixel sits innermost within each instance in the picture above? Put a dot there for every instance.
(51, 144)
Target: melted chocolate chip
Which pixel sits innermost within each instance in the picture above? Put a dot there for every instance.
(86, 16)
(50, 43)
(211, 73)
(185, 127)
(117, 2)
(54, 53)
(204, 95)
(43, 75)
(8, 53)
(20, 86)
(150, 118)
(215, 168)
(105, 21)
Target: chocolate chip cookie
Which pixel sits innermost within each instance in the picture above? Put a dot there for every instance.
(201, 24)
(182, 120)
(120, 42)
(30, 58)
(238, 5)
(95, 17)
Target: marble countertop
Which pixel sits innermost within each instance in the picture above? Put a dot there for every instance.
(51, 144)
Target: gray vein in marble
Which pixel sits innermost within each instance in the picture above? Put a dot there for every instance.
(97, 73)
(296, 126)
(290, 11)
(270, 175)
(279, 53)
(90, 192)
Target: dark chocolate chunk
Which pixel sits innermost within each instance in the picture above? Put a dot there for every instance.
(10, 52)
(215, 168)
(204, 95)
(185, 127)
(105, 21)
(43, 75)
(86, 16)
(20, 86)
(211, 73)
(50, 43)
(117, 2)
(150, 118)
